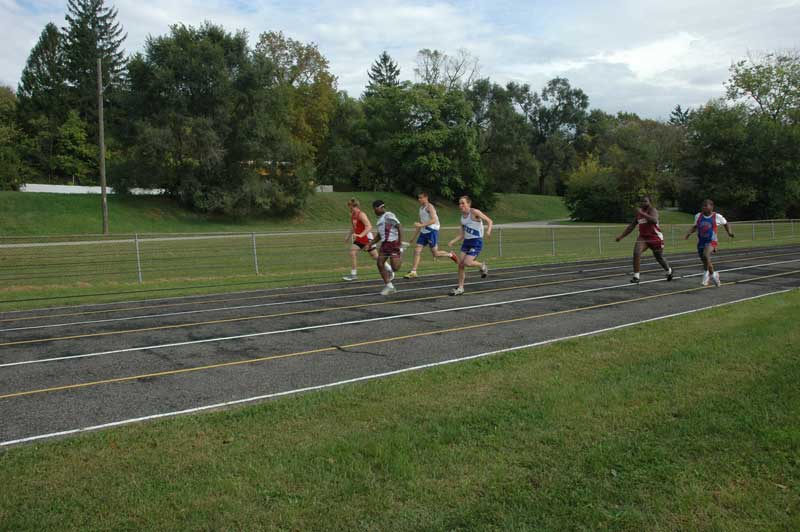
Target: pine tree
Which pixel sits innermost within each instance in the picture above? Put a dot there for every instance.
(383, 73)
(91, 32)
(42, 88)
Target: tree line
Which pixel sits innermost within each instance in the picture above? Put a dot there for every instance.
(227, 127)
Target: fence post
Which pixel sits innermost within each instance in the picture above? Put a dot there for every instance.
(500, 231)
(772, 226)
(255, 252)
(599, 241)
(553, 233)
(754, 230)
(138, 257)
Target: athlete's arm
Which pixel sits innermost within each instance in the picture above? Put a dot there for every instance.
(627, 230)
(399, 233)
(486, 219)
(692, 230)
(728, 230)
(460, 237)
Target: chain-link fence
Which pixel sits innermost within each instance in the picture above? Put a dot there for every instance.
(316, 255)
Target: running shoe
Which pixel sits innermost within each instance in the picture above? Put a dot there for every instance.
(706, 278)
(350, 278)
(634, 279)
(484, 270)
(715, 279)
(410, 275)
(456, 291)
(669, 275)
(388, 289)
(454, 257)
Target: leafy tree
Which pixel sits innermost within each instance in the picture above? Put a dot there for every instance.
(342, 159)
(679, 116)
(593, 193)
(75, 158)
(13, 170)
(384, 72)
(503, 139)
(303, 75)
(770, 82)
(212, 124)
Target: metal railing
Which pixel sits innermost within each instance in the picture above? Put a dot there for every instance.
(314, 255)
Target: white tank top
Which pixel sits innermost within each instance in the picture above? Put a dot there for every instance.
(472, 228)
(425, 217)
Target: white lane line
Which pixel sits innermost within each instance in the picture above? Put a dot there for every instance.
(312, 300)
(757, 252)
(374, 376)
(365, 320)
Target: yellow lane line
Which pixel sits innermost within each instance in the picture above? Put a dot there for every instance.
(320, 310)
(381, 340)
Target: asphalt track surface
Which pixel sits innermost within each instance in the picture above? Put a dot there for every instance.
(73, 369)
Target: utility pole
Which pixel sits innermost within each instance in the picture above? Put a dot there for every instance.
(102, 142)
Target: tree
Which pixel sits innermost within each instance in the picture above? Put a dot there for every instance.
(44, 100)
(75, 157)
(503, 139)
(435, 67)
(43, 87)
(679, 117)
(302, 73)
(384, 72)
(13, 169)
(771, 82)
(91, 32)
(342, 159)
(212, 125)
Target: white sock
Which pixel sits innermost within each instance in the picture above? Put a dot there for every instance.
(354, 272)
(635, 275)
(387, 266)
(389, 285)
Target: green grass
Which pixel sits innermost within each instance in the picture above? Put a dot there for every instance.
(685, 424)
(188, 266)
(25, 214)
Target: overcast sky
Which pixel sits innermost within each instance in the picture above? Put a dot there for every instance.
(642, 56)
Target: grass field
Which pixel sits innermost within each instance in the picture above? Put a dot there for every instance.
(60, 214)
(641, 429)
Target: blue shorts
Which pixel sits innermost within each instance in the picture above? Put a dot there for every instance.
(472, 246)
(430, 238)
(701, 248)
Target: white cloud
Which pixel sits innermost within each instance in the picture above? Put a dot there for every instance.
(641, 55)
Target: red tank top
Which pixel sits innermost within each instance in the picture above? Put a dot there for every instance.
(358, 227)
(648, 230)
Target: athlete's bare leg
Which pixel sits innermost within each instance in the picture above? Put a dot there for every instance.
(659, 255)
(707, 251)
(638, 248)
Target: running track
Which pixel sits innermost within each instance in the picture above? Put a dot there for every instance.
(72, 369)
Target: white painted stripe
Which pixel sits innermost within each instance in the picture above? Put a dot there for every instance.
(748, 251)
(366, 320)
(370, 377)
(319, 299)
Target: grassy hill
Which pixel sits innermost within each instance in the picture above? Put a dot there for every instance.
(52, 214)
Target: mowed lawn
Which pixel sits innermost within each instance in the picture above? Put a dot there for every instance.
(28, 214)
(691, 423)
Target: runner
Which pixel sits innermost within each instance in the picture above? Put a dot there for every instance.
(472, 235)
(360, 235)
(706, 223)
(428, 232)
(650, 236)
(390, 235)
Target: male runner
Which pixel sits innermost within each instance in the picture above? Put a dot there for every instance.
(472, 234)
(390, 235)
(706, 223)
(428, 232)
(650, 236)
(360, 235)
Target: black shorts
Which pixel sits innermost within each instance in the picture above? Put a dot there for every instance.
(365, 246)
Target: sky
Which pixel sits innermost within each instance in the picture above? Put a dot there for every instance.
(638, 56)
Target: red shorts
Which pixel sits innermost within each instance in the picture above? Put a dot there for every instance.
(390, 249)
(654, 243)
